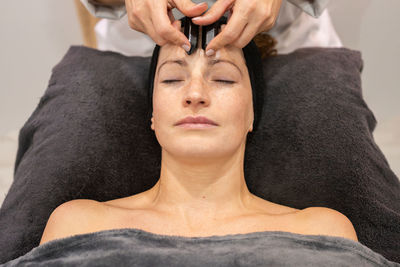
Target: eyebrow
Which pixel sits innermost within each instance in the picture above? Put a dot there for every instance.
(211, 62)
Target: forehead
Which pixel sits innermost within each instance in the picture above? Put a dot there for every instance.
(231, 53)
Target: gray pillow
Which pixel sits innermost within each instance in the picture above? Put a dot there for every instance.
(89, 138)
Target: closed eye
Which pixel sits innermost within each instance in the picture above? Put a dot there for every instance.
(171, 81)
(220, 81)
(225, 81)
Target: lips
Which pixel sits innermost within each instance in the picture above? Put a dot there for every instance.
(196, 120)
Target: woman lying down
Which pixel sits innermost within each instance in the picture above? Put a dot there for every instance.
(200, 212)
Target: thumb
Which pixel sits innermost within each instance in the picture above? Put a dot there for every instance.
(190, 9)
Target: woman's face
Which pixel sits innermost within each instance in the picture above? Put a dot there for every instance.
(217, 88)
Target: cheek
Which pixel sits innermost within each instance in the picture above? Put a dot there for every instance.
(236, 107)
(164, 105)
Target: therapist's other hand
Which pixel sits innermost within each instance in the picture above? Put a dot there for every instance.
(155, 18)
(247, 18)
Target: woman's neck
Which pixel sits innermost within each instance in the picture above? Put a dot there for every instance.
(196, 192)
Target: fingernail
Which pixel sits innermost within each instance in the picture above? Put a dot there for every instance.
(210, 52)
(217, 55)
(196, 18)
(186, 47)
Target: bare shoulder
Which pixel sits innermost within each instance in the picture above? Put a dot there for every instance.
(71, 218)
(271, 207)
(326, 221)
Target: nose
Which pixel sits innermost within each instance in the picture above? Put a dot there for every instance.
(196, 94)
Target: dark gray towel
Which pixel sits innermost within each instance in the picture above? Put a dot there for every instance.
(88, 138)
(134, 247)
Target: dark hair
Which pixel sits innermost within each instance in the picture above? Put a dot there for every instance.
(254, 66)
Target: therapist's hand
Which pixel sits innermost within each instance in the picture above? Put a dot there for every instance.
(247, 18)
(155, 18)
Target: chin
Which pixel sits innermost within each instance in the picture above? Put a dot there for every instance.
(199, 145)
(195, 147)
(200, 150)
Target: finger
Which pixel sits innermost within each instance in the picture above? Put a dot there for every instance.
(154, 35)
(163, 26)
(214, 13)
(190, 9)
(136, 25)
(230, 33)
(248, 33)
(134, 22)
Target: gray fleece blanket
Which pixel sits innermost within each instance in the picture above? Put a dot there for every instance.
(135, 247)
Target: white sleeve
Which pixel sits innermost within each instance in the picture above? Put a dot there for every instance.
(312, 7)
(105, 12)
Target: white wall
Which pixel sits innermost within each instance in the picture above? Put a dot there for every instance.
(34, 36)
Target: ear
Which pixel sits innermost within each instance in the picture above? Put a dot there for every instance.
(251, 125)
(152, 123)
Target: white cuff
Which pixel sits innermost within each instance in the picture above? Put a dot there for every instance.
(312, 7)
(105, 12)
